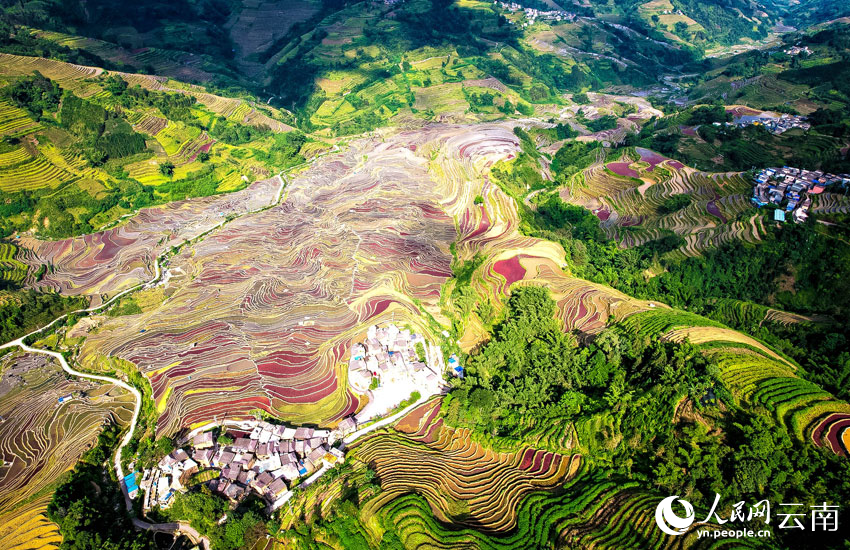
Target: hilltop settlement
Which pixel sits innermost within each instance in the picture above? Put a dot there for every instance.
(793, 188)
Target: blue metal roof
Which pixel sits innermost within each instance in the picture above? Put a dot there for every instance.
(779, 215)
(130, 482)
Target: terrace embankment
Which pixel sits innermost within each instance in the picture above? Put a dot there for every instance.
(105, 263)
(48, 422)
(259, 312)
(463, 481)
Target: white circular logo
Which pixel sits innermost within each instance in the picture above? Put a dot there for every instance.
(667, 519)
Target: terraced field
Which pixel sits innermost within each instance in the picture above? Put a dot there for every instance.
(428, 484)
(69, 76)
(15, 122)
(361, 237)
(78, 79)
(27, 527)
(12, 271)
(238, 110)
(628, 196)
(260, 313)
(756, 375)
(41, 438)
(463, 481)
(105, 263)
(831, 203)
(32, 173)
(271, 323)
(180, 65)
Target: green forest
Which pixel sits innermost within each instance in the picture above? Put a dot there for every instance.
(88, 504)
(21, 311)
(621, 392)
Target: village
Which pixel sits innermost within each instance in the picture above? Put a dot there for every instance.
(772, 122)
(251, 456)
(532, 14)
(245, 457)
(794, 187)
(392, 364)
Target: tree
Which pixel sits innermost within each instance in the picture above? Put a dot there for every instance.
(581, 98)
(167, 168)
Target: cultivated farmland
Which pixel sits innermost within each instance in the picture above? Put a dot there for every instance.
(48, 423)
(110, 261)
(629, 195)
(259, 313)
(464, 482)
(755, 374)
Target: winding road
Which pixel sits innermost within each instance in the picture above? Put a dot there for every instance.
(174, 527)
(180, 527)
(119, 470)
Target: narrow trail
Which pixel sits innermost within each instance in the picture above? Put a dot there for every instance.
(179, 527)
(182, 528)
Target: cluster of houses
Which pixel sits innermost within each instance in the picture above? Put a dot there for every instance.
(258, 457)
(793, 187)
(388, 352)
(254, 456)
(794, 51)
(532, 15)
(773, 123)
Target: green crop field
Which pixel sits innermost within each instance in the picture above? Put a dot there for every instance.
(219, 201)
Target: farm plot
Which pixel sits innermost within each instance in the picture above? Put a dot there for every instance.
(276, 297)
(753, 373)
(67, 75)
(12, 271)
(180, 65)
(630, 197)
(110, 261)
(590, 512)
(15, 122)
(249, 112)
(32, 173)
(41, 436)
(464, 482)
(260, 313)
(27, 527)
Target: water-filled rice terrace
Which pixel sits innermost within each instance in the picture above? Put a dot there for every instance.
(628, 195)
(104, 263)
(260, 312)
(41, 438)
(442, 489)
